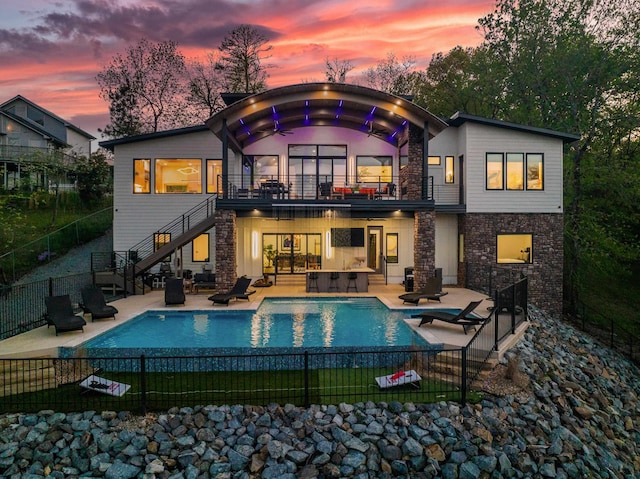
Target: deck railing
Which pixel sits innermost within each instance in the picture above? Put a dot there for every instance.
(329, 187)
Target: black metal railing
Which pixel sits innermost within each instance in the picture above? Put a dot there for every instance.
(26, 257)
(328, 187)
(509, 310)
(174, 229)
(608, 328)
(22, 305)
(488, 278)
(160, 383)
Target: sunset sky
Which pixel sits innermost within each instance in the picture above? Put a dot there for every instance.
(51, 50)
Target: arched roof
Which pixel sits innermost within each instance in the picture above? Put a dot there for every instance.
(280, 110)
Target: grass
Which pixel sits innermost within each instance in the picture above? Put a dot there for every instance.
(166, 390)
(34, 239)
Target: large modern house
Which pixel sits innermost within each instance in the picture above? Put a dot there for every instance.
(338, 177)
(28, 132)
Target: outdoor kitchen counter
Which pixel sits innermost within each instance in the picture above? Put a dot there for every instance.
(324, 284)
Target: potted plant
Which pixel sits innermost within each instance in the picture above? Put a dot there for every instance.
(270, 254)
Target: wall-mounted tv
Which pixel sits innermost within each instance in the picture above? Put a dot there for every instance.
(347, 237)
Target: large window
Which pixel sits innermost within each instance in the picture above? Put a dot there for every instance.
(514, 248)
(535, 163)
(178, 175)
(141, 179)
(214, 173)
(495, 172)
(513, 171)
(200, 248)
(374, 169)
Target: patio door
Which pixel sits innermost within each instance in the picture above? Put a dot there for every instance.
(291, 253)
(374, 248)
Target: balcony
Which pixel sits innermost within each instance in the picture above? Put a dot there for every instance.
(318, 188)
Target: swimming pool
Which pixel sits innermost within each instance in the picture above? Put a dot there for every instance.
(283, 334)
(278, 323)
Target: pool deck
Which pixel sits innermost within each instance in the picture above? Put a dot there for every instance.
(42, 342)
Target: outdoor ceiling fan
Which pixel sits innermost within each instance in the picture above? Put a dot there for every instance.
(375, 132)
(277, 129)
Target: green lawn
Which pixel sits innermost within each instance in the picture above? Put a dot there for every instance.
(166, 390)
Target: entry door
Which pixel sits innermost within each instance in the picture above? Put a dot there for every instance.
(374, 248)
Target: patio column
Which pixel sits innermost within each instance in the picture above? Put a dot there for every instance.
(226, 249)
(424, 247)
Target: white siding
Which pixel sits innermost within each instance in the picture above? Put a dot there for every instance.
(80, 144)
(136, 216)
(447, 247)
(481, 139)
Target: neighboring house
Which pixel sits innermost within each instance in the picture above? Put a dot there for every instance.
(337, 176)
(28, 131)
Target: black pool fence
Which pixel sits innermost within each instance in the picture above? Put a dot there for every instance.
(300, 378)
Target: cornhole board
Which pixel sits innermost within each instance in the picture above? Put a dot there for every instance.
(106, 386)
(398, 379)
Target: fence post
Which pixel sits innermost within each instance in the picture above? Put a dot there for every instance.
(463, 386)
(143, 385)
(496, 309)
(50, 286)
(306, 379)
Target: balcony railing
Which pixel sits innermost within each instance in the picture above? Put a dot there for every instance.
(330, 187)
(30, 153)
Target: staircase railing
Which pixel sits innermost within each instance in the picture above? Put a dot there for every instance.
(181, 230)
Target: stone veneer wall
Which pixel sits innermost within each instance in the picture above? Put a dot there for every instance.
(411, 175)
(545, 273)
(226, 248)
(424, 241)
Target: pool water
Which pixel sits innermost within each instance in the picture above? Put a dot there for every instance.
(278, 323)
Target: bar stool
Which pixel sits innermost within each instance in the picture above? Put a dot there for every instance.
(352, 282)
(333, 281)
(313, 281)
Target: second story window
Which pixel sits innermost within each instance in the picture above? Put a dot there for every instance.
(173, 175)
(535, 163)
(141, 178)
(214, 175)
(374, 169)
(449, 169)
(520, 171)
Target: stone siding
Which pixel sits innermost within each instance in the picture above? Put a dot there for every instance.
(545, 273)
(424, 237)
(226, 248)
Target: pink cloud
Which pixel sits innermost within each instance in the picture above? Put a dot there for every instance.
(54, 54)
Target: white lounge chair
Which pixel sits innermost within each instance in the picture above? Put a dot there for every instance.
(106, 386)
(398, 379)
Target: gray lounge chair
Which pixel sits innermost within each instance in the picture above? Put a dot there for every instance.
(239, 291)
(463, 318)
(431, 291)
(174, 291)
(93, 303)
(60, 314)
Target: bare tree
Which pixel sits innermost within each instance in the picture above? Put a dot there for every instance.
(243, 51)
(206, 81)
(392, 75)
(145, 88)
(336, 70)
